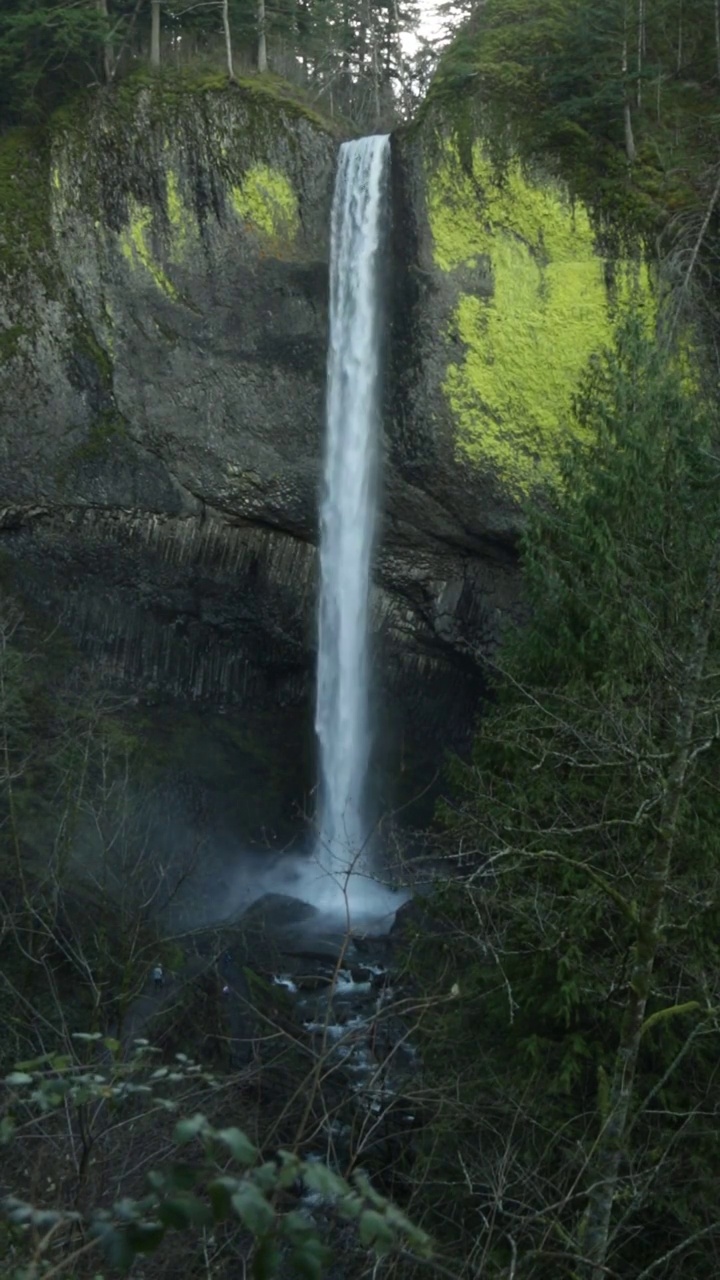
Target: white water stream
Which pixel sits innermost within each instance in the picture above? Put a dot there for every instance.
(348, 514)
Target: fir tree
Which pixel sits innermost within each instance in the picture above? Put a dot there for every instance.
(586, 938)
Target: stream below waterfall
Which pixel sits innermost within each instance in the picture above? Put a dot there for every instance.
(334, 993)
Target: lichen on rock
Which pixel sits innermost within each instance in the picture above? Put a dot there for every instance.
(549, 299)
(136, 246)
(267, 205)
(182, 223)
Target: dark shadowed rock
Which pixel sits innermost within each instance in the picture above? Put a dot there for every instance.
(276, 911)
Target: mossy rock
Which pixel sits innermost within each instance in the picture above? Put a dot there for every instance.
(24, 201)
(536, 296)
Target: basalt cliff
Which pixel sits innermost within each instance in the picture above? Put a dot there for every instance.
(163, 333)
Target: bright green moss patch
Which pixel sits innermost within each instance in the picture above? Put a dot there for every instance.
(552, 301)
(268, 206)
(136, 246)
(182, 222)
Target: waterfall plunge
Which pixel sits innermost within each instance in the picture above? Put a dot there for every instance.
(338, 880)
(347, 522)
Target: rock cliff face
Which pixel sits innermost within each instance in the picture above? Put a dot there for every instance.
(162, 382)
(510, 288)
(505, 287)
(163, 332)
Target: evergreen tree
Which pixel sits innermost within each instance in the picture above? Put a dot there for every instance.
(619, 98)
(585, 942)
(47, 46)
(347, 53)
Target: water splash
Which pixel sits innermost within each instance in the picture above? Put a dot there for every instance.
(347, 519)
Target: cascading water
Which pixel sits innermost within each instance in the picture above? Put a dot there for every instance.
(348, 513)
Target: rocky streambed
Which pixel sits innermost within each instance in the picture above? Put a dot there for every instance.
(314, 1014)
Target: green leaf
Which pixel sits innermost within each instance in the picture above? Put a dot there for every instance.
(221, 1191)
(290, 1170)
(32, 1064)
(186, 1130)
(267, 1177)
(126, 1209)
(266, 1260)
(375, 1231)
(317, 1177)
(112, 1044)
(146, 1237)
(18, 1077)
(239, 1146)
(118, 1248)
(173, 1213)
(396, 1218)
(182, 1212)
(350, 1206)
(310, 1259)
(44, 1218)
(182, 1177)
(366, 1189)
(16, 1211)
(297, 1227)
(253, 1209)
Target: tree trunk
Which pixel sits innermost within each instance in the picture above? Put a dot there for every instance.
(629, 136)
(108, 69)
(404, 70)
(346, 47)
(627, 111)
(376, 81)
(603, 1166)
(228, 40)
(717, 36)
(364, 40)
(155, 33)
(640, 48)
(128, 37)
(681, 293)
(262, 60)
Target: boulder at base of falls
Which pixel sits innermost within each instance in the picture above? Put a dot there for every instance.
(277, 911)
(278, 925)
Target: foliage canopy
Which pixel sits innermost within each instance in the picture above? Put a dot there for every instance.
(585, 939)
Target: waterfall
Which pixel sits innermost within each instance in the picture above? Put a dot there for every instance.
(348, 508)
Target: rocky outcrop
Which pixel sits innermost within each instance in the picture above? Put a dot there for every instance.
(515, 285)
(163, 334)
